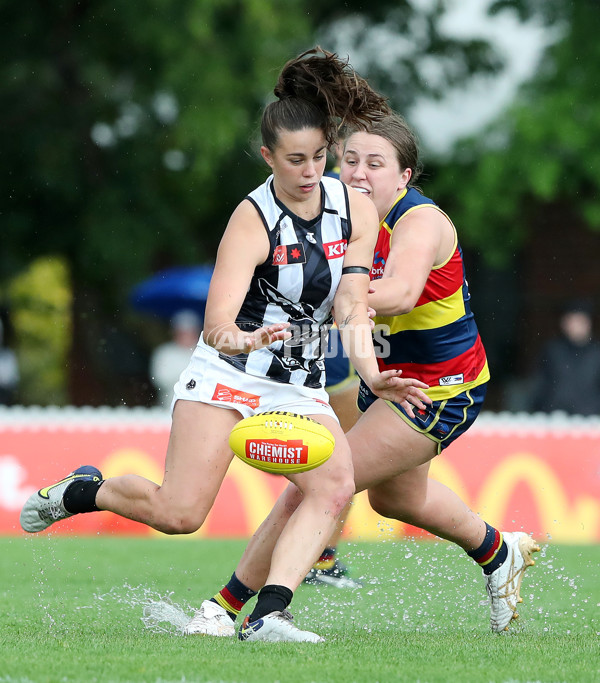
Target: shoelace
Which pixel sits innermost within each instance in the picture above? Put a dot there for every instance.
(512, 579)
(200, 617)
(54, 512)
(511, 582)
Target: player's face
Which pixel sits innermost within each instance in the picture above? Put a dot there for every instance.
(298, 163)
(370, 165)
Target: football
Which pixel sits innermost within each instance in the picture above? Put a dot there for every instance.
(281, 443)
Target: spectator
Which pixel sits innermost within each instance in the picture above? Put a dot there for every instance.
(169, 359)
(9, 372)
(568, 371)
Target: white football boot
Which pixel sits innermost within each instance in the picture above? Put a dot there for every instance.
(210, 620)
(276, 627)
(44, 507)
(504, 584)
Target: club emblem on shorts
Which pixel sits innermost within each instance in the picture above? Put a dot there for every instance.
(442, 428)
(421, 415)
(191, 384)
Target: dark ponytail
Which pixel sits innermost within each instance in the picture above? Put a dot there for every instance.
(319, 90)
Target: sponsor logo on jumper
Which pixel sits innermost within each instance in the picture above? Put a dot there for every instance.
(290, 452)
(335, 249)
(449, 380)
(310, 236)
(284, 254)
(378, 266)
(289, 363)
(230, 395)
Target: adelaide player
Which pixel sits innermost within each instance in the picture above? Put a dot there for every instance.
(426, 328)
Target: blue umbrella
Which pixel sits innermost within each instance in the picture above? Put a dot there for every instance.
(172, 290)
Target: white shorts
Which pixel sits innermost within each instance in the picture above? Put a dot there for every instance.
(210, 379)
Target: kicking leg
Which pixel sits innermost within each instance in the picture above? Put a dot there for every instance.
(197, 459)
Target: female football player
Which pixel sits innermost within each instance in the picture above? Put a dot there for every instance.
(294, 248)
(426, 328)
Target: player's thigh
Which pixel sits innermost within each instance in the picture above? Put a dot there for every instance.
(401, 494)
(336, 472)
(343, 402)
(198, 454)
(384, 446)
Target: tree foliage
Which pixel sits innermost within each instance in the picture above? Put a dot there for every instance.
(545, 150)
(405, 53)
(126, 127)
(128, 131)
(120, 120)
(41, 299)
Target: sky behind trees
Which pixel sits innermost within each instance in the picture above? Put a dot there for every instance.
(464, 110)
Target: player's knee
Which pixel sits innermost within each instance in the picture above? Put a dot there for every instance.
(342, 495)
(175, 522)
(334, 494)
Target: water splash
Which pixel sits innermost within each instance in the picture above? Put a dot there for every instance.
(159, 613)
(40, 560)
(435, 586)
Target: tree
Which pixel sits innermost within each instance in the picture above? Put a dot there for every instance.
(120, 124)
(117, 121)
(403, 51)
(524, 194)
(545, 150)
(127, 137)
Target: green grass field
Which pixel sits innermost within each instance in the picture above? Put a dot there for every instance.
(71, 610)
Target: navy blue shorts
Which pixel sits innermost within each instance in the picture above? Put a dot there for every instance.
(339, 372)
(442, 421)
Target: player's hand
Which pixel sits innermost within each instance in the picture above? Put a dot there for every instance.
(407, 392)
(265, 336)
(371, 312)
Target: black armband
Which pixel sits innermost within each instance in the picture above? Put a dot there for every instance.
(356, 269)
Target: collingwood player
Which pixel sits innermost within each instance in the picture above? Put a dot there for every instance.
(295, 248)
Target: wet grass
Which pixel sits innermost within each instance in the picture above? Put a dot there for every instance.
(71, 608)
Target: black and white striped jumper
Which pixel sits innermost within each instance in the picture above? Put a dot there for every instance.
(296, 284)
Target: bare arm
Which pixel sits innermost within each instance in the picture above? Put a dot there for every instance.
(350, 304)
(420, 241)
(244, 246)
(352, 318)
